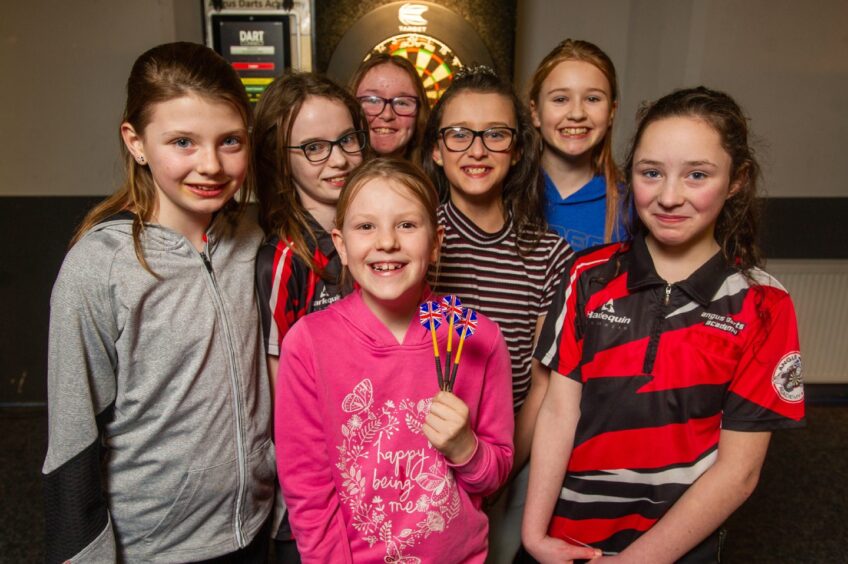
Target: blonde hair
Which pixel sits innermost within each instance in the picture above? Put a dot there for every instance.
(603, 161)
(397, 170)
(164, 73)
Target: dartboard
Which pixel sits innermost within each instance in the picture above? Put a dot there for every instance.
(435, 61)
(433, 38)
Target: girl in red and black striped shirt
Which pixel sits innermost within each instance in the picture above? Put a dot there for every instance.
(310, 134)
(674, 356)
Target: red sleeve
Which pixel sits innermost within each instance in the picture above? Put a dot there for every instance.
(303, 464)
(767, 389)
(279, 285)
(560, 345)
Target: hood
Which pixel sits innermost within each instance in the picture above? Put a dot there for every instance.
(159, 238)
(595, 189)
(363, 325)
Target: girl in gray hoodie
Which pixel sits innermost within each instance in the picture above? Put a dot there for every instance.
(159, 405)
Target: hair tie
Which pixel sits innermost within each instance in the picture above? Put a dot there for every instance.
(475, 70)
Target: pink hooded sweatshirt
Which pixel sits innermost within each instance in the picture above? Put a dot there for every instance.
(360, 479)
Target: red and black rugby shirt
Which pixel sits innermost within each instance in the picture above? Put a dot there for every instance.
(289, 289)
(664, 368)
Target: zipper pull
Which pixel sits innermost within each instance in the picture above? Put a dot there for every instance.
(206, 262)
(204, 255)
(667, 294)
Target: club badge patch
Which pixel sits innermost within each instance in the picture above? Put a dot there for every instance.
(787, 380)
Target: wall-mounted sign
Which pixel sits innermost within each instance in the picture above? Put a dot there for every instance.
(257, 45)
(434, 39)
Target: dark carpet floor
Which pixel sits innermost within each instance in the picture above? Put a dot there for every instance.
(799, 512)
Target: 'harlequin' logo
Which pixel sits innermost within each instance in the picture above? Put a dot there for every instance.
(787, 380)
(606, 315)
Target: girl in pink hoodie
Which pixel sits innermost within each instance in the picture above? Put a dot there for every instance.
(375, 462)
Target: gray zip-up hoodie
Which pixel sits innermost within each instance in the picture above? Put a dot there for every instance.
(159, 402)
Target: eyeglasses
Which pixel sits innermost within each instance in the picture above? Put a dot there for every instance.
(401, 105)
(495, 139)
(319, 150)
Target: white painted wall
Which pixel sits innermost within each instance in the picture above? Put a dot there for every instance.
(64, 67)
(785, 62)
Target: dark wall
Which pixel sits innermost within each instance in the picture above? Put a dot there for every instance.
(805, 228)
(34, 235)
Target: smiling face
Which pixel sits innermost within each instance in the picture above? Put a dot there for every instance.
(476, 175)
(389, 133)
(574, 109)
(197, 153)
(681, 180)
(388, 242)
(318, 184)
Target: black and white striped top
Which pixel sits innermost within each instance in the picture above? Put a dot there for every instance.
(489, 274)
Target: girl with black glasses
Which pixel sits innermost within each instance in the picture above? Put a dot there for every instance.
(482, 152)
(309, 136)
(395, 103)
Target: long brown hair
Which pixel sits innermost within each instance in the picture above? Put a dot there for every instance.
(375, 60)
(602, 158)
(164, 73)
(281, 211)
(737, 224)
(523, 186)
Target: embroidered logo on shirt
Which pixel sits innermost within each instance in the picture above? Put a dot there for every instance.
(324, 299)
(607, 314)
(723, 323)
(580, 240)
(384, 476)
(787, 380)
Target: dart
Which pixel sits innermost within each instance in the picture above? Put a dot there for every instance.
(466, 328)
(452, 310)
(430, 316)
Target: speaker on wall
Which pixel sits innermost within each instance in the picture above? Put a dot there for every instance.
(437, 37)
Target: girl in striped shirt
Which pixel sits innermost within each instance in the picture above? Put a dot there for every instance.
(482, 152)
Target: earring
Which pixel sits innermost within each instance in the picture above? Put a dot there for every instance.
(140, 159)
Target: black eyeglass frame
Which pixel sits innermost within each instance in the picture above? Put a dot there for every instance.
(391, 102)
(363, 137)
(475, 133)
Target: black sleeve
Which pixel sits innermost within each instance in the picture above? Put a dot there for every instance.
(75, 510)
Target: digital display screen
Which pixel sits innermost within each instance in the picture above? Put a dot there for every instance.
(257, 46)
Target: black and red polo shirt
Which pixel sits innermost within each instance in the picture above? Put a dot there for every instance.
(664, 368)
(289, 289)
